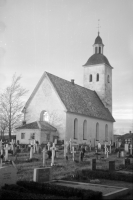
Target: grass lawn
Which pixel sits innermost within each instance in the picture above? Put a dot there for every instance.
(63, 167)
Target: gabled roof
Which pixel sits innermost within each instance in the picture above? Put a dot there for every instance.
(43, 125)
(80, 100)
(76, 99)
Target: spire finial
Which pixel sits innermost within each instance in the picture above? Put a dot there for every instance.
(98, 26)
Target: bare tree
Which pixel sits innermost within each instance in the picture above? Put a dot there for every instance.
(11, 104)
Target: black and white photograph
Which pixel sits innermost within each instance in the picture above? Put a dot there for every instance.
(66, 99)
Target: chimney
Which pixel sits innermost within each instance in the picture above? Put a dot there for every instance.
(72, 81)
(24, 122)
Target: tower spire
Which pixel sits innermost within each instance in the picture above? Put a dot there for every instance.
(98, 26)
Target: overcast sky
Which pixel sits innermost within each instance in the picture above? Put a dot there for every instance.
(57, 36)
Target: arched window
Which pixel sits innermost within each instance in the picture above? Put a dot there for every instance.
(97, 132)
(85, 130)
(44, 116)
(75, 129)
(97, 77)
(106, 132)
(108, 79)
(90, 77)
(99, 49)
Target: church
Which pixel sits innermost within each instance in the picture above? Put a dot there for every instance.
(61, 109)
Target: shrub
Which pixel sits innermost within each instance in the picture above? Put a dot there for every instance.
(107, 175)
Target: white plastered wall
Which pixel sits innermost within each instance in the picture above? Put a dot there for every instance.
(91, 129)
(46, 98)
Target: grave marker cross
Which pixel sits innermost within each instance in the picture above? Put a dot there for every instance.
(6, 152)
(107, 152)
(44, 156)
(48, 146)
(73, 152)
(53, 154)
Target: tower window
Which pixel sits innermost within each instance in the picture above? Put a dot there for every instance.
(97, 77)
(90, 77)
(108, 79)
(99, 49)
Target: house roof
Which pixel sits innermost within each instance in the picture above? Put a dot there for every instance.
(97, 59)
(43, 125)
(126, 136)
(80, 100)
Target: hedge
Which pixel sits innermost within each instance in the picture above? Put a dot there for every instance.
(18, 192)
(102, 174)
(53, 189)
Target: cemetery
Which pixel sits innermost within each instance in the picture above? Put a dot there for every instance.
(65, 171)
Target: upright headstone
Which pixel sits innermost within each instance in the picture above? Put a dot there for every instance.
(111, 165)
(99, 146)
(73, 152)
(126, 147)
(48, 145)
(93, 164)
(6, 152)
(127, 162)
(44, 156)
(31, 150)
(53, 154)
(110, 147)
(42, 175)
(107, 152)
(8, 175)
(105, 148)
(34, 146)
(1, 147)
(37, 147)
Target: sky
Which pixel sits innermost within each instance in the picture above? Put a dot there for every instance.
(57, 36)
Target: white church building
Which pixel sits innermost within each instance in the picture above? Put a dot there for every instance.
(58, 108)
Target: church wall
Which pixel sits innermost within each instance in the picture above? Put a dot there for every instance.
(28, 133)
(108, 86)
(91, 129)
(47, 99)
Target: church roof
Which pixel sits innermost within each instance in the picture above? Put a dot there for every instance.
(80, 100)
(97, 59)
(98, 40)
(43, 125)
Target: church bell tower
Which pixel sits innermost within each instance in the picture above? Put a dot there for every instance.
(98, 74)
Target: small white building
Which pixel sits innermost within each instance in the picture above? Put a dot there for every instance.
(40, 131)
(82, 114)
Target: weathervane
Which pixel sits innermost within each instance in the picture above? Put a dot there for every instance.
(98, 26)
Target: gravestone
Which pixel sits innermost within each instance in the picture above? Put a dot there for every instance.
(99, 146)
(126, 147)
(111, 165)
(127, 162)
(93, 164)
(8, 175)
(44, 156)
(42, 175)
(122, 154)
